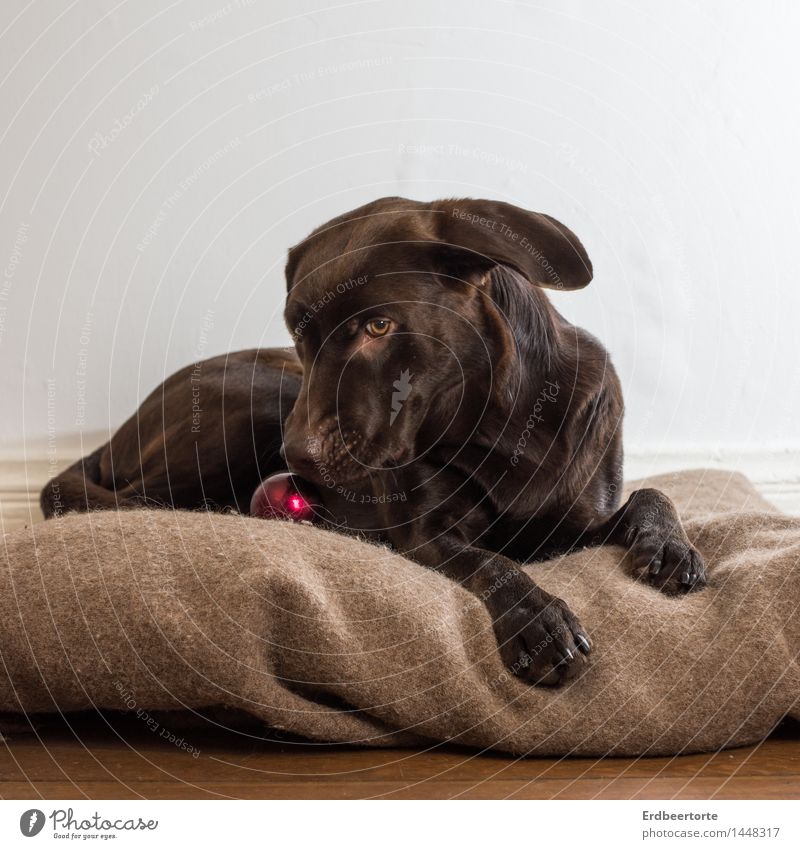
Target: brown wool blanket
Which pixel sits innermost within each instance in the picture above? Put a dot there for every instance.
(342, 641)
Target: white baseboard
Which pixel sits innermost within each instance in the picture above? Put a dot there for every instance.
(762, 463)
(775, 471)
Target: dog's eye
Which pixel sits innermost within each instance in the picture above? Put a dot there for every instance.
(377, 327)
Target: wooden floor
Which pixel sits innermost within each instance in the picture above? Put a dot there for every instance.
(87, 757)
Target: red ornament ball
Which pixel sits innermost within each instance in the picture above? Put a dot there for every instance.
(285, 496)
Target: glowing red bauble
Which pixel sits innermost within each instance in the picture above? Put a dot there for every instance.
(285, 496)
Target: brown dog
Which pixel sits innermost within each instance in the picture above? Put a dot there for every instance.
(445, 407)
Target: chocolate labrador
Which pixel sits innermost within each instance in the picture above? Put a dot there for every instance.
(438, 401)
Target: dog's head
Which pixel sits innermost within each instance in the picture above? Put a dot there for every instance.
(410, 319)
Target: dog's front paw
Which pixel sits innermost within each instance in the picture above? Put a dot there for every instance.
(541, 640)
(665, 559)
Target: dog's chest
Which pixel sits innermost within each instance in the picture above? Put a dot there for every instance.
(519, 485)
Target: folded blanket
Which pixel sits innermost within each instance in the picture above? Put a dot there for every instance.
(339, 640)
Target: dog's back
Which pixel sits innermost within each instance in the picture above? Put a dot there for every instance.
(206, 436)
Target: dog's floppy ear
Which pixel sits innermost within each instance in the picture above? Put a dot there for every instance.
(292, 261)
(477, 234)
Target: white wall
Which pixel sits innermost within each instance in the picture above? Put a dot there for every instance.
(665, 134)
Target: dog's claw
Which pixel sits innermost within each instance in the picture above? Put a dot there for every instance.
(676, 568)
(541, 642)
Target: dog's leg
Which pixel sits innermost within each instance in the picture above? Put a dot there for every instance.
(539, 637)
(648, 525)
(79, 488)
